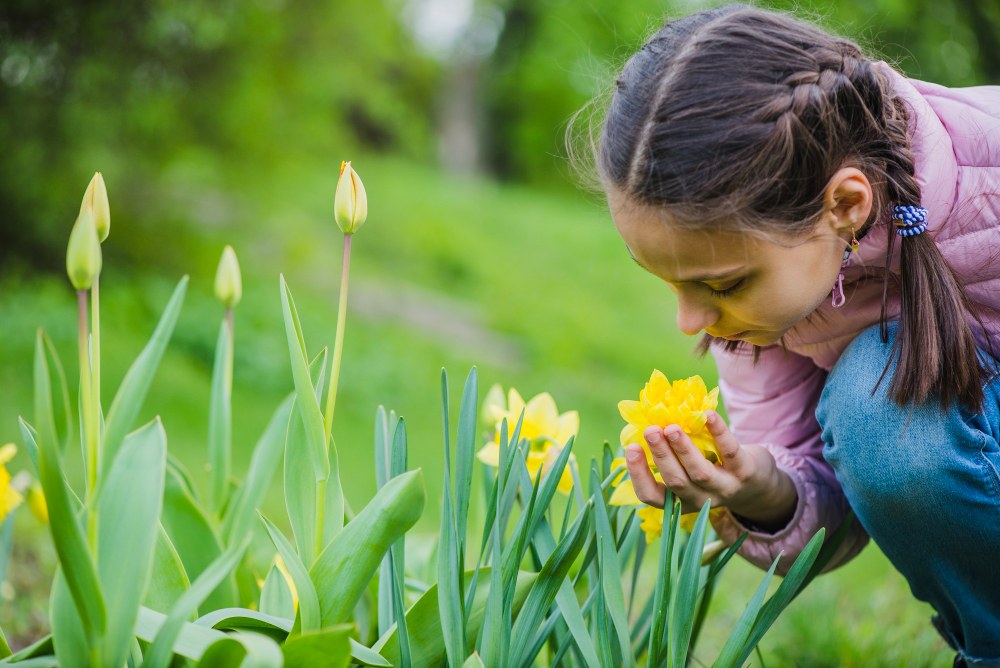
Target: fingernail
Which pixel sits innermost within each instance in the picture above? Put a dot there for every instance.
(673, 436)
(632, 454)
(711, 418)
(653, 437)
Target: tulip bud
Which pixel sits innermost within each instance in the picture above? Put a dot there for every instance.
(228, 282)
(36, 502)
(96, 200)
(350, 207)
(83, 255)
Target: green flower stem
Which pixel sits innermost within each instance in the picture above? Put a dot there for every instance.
(95, 345)
(338, 345)
(87, 411)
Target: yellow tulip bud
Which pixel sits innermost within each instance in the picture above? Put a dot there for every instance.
(350, 207)
(96, 200)
(36, 502)
(83, 254)
(228, 282)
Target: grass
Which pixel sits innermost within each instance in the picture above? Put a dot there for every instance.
(534, 288)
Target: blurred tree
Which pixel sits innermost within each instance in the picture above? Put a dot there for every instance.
(125, 86)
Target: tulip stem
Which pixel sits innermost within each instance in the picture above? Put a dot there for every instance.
(338, 345)
(95, 346)
(87, 414)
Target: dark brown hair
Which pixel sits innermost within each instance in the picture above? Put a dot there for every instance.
(737, 117)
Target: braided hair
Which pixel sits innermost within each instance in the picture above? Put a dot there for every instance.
(737, 118)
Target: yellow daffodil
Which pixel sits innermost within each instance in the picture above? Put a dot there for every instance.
(10, 498)
(542, 425)
(663, 403)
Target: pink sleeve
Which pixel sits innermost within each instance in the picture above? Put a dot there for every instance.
(772, 404)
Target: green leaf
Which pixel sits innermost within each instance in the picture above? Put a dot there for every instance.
(424, 622)
(611, 578)
(685, 600)
(276, 596)
(4, 648)
(826, 553)
(266, 459)
(343, 570)
(78, 567)
(242, 619)
(168, 579)
(550, 578)
(465, 455)
(132, 391)
(30, 437)
(69, 641)
(366, 656)
(62, 413)
(664, 580)
(127, 529)
(730, 652)
(449, 566)
(309, 609)
(300, 480)
(790, 584)
(159, 656)
(220, 420)
(191, 642)
(397, 467)
(192, 535)
(312, 418)
(329, 648)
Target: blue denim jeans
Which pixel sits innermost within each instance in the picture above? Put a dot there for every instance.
(924, 483)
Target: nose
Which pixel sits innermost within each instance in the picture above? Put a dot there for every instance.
(692, 316)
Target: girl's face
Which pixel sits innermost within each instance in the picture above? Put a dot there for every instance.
(734, 286)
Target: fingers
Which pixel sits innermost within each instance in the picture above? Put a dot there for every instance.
(727, 445)
(647, 488)
(699, 470)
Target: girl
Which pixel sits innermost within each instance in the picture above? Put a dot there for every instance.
(752, 161)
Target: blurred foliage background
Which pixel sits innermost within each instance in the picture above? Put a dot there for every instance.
(225, 122)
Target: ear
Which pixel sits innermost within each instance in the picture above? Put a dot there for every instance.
(848, 200)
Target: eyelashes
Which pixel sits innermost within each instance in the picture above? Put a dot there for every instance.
(728, 292)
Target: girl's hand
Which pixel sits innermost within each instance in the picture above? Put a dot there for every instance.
(746, 480)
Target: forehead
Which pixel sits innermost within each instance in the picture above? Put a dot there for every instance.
(675, 251)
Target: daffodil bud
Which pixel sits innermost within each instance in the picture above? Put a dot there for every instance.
(228, 282)
(83, 255)
(96, 201)
(350, 207)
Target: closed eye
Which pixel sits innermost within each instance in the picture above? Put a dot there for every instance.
(730, 291)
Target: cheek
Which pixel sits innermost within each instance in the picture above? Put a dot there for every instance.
(781, 302)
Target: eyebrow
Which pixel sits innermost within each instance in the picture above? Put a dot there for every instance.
(728, 273)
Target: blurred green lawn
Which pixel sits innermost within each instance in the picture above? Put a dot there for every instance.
(534, 288)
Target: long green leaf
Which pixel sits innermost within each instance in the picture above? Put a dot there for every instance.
(611, 578)
(134, 387)
(242, 619)
(449, 567)
(78, 566)
(465, 455)
(397, 467)
(312, 418)
(664, 580)
(309, 609)
(343, 570)
(299, 478)
(737, 638)
(266, 458)
(161, 653)
(685, 600)
(192, 641)
(242, 650)
(128, 510)
(168, 579)
(220, 420)
(424, 623)
(550, 578)
(790, 584)
(826, 553)
(61, 405)
(69, 642)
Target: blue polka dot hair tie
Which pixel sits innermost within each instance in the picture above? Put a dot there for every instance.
(909, 220)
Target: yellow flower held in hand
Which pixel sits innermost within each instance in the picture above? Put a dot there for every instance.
(9, 497)
(542, 424)
(663, 403)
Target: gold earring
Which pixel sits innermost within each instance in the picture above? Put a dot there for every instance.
(854, 241)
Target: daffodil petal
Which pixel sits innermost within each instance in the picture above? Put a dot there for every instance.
(7, 453)
(490, 455)
(624, 495)
(569, 425)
